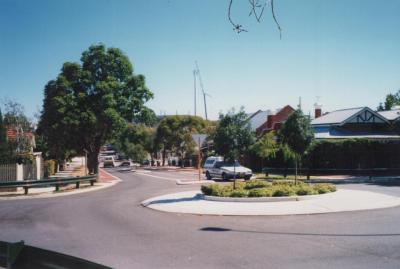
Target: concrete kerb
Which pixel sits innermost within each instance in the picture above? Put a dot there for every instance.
(192, 202)
(194, 182)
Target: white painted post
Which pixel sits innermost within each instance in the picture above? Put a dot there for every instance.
(20, 172)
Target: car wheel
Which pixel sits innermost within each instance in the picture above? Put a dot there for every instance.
(247, 177)
(208, 176)
(224, 176)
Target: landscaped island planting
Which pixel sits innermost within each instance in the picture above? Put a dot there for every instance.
(258, 188)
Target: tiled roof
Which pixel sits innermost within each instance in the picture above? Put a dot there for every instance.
(258, 118)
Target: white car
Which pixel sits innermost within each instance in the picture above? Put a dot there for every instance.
(108, 161)
(215, 167)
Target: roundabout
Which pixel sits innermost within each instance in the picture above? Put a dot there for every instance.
(343, 200)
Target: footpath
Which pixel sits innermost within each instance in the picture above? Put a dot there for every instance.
(73, 169)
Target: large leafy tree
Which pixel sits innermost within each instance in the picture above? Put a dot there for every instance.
(174, 134)
(136, 141)
(296, 135)
(233, 136)
(90, 102)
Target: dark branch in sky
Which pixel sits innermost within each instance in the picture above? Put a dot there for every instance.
(256, 10)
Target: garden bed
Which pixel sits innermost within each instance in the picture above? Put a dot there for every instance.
(256, 189)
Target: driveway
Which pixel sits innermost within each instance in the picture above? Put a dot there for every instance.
(111, 227)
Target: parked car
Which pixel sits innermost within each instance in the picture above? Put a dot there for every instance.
(108, 161)
(216, 167)
(125, 163)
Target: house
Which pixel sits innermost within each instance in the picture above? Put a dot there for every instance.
(13, 134)
(274, 121)
(258, 118)
(359, 122)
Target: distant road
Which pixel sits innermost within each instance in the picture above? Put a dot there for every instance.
(111, 227)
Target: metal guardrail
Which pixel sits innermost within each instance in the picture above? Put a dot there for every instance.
(370, 172)
(21, 256)
(56, 182)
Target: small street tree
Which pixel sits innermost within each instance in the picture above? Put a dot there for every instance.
(266, 147)
(90, 102)
(233, 136)
(297, 134)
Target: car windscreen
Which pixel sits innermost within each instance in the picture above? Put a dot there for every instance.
(236, 163)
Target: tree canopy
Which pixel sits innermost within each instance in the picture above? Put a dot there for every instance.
(391, 100)
(174, 134)
(136, 141)
(296, 132)
(233, 136)
(90, 102)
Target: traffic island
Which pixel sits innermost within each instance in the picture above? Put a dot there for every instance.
(193, 202)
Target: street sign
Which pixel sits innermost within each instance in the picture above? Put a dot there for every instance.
(199, 139)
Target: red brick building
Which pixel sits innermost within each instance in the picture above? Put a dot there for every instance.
(275, 121)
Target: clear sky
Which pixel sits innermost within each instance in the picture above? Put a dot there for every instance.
(346, 51)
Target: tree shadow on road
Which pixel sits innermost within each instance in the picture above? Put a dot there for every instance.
(197, 197)
(221, 229)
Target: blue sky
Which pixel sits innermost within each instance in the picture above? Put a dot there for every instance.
(345, 51)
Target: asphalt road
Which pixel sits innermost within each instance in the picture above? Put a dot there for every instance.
(111, 227)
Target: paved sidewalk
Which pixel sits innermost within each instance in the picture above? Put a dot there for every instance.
(342, 200)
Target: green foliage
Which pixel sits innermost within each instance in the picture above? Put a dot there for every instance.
(391, 100)
(305, 190)
(257, 188)
(233, 136)
(260, 192)
(353, 154)
(253, 184)
(174, 134)
(296, 132)
(324, 188)
(90, 102)
(283, 190)
(239, 193)
(267, 146)
(49, 168)
(136, 142)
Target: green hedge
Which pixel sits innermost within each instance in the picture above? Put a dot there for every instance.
(258, 188)
(49, 168)
(353, 154)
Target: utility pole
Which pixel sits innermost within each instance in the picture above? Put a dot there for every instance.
(195, 92)
(197, 71)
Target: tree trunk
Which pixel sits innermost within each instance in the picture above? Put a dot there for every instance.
(93, 162)
(163, 157)
(295, 175)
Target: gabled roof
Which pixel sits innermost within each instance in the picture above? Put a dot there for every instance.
(390, 114)
(258, 118)
(353, 115)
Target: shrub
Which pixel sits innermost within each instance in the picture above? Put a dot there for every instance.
(324, 188)
(287, 182)
(260, 192)
(305, 190)
(49, 168)
(206, 190)
(253, 184)
(279, 191)
(239, 193)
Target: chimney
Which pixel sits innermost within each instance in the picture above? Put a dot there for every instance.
(318, 110)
